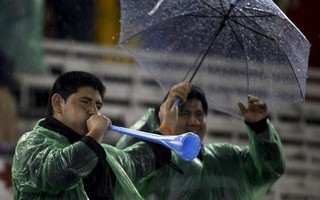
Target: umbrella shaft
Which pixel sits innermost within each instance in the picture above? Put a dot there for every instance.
(202, 56)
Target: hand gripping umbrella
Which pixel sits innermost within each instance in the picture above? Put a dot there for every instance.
(230, 48)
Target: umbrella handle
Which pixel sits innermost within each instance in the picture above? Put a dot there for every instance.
(177, 101)
(186, 145)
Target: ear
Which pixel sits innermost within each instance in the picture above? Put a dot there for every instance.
(56, 101)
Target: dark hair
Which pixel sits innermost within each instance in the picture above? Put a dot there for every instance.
(69, 83)
(195, 93)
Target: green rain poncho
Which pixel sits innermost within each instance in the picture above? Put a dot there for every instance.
(221, 171)
(47, 166)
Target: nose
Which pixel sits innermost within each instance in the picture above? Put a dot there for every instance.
(93, 109)
(193, 120)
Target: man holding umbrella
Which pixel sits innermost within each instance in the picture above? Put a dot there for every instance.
(221, 170)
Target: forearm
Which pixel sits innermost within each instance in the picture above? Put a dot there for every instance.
(267, 156)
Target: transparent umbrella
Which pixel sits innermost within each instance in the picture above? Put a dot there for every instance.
(230, 48)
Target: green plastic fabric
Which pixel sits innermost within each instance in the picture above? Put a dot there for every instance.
(47, 166)
(21, 32)
(225, 171)
(147, 123)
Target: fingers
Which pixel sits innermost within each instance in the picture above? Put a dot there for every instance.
(253, 99)
(256, 104)
(181, 90)
(109, 122)
(97, 126)
(181, 95)
(242, 108)
(168, 114)
(99, 121)
(168, 103)
(169, 106)
(174, 108)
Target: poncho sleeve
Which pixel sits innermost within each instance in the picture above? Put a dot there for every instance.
(134, 163)
(48, 163)
(266, 161)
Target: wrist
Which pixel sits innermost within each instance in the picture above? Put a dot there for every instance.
(259, 126)
(98, 137)
(165, 129)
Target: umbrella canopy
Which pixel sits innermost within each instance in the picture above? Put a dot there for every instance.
(230, 48)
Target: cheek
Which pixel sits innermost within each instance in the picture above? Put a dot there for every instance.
(77, 111)
(78, 121)
(203, 128)
(180, 127)
(204, 122)
(76, 115)
(81, 114)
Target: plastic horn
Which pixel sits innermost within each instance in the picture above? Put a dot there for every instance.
(186, 145)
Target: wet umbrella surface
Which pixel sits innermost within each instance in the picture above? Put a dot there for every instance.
(229, 48)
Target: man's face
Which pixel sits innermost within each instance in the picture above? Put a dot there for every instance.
(192, 119)
(79, 107)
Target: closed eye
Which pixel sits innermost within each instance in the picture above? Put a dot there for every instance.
(200, 114)
(85, 102)
(183, 113)
(99, 106)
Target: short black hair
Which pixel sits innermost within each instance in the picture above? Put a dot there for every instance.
(69, 83)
